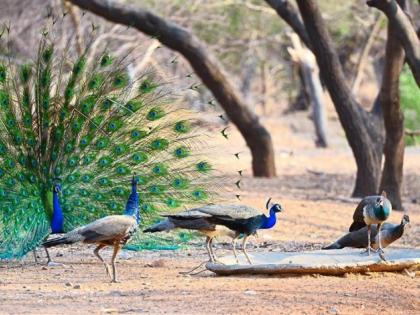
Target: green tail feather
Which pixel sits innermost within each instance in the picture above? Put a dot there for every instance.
(92, 126)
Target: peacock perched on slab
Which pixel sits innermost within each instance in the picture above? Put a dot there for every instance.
(73, 131)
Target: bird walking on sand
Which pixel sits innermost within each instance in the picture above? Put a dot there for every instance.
(244, 221)
(112, 230)
(372, 210)
(196, 220)
(359, 238)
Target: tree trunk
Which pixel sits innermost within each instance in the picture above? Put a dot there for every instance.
(305, 59)
(362, 129)
(392, 174)
(404, 31)
(206, 67)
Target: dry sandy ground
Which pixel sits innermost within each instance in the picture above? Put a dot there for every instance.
(313, 186)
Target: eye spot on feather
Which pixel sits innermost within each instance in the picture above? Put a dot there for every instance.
(73, 162)
(139, 157)
(203, 167)
(113, 205)
(84, 141)
(104, 161)
(137, 134)
(71, 178)
(3, 149)
(182, 126)
(104, 181)
(199, 194)
(86, 178)
(120, 80)
(106, 60)
(181, 152)
(159, 144)
(147, 86)
(172, 203)
(107, 104)
(122, 170)
(68, 148)
(88, 159)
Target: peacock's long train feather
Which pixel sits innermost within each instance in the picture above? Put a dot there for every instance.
(90, 126)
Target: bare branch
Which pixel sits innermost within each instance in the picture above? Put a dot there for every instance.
(291, 16)
(405, 32)
(361, 62)
(412, 133)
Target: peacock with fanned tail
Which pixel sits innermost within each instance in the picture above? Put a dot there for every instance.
(72, 133)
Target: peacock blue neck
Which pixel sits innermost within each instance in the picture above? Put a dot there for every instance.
(132, 206)
(270, 221)
(382, 212)
(57, 221)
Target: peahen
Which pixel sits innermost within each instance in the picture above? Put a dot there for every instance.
(86, 124)
(371, 210)
(197, 220)
(244, 221)
(112, 230)
(359, 238)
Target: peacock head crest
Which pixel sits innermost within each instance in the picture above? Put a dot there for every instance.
(275, 207)
(57, 185)
(134, 180)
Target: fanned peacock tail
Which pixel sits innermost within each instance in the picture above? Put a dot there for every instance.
(85, 123)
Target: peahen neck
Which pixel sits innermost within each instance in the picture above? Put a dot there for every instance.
(270, 221)
(132, 206)
(57, 222)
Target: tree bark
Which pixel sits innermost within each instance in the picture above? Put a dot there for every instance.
(362, 129)
(404, 31)
(392, 174)
(305, 59)
(206, 67)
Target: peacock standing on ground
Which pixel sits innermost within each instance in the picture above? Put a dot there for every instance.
(372, 210)
(244, 221)
(73, 130)
(112, 230)
(197, 220)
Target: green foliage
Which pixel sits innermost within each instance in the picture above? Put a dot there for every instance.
(410, 101)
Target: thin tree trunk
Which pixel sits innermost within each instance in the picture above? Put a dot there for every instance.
(207, 68)
(305, 59)
(392, 174)
(404, 31)
(363, 129)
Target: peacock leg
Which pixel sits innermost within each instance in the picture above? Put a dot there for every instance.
(208, 249)
(114, 256)
(96, 252)
(380, 249)
(369, 243)
(244, 249)
(212, 251)
(35, 258)
(234, 247)
(49, 260)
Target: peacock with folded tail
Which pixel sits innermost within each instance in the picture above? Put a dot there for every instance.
(73, 130)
